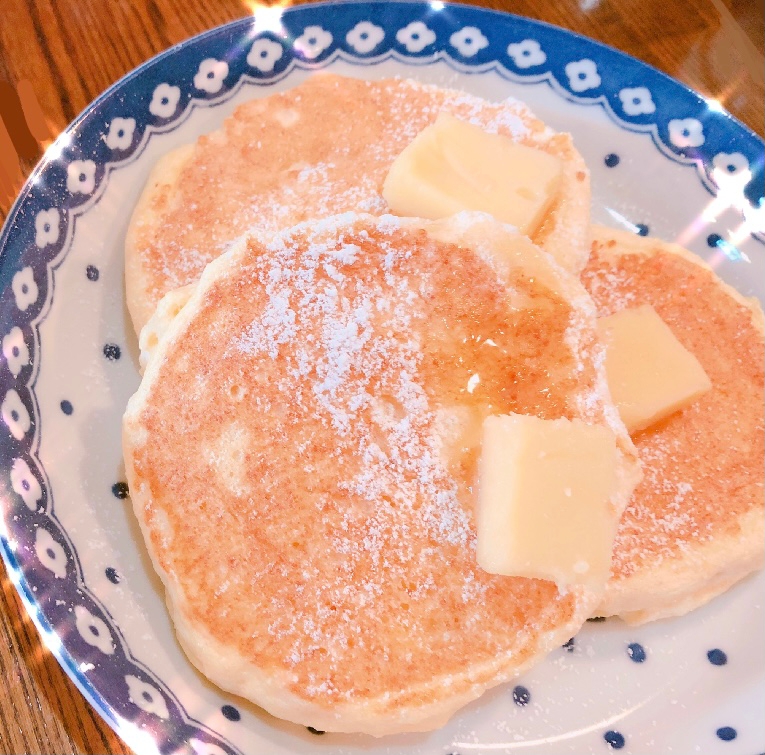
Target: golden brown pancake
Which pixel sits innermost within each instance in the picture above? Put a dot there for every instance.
(694, 526)
(321, 148)
(301, 460)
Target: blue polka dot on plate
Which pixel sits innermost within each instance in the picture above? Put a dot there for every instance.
(727, 733)
(231, 713)
(611, 160)
(717, 657)
(641, 229)
(92, 272)
(120, 490)
(66, 407)
(714, 239)
(636, 652)
(521, 695)
(112, 575)
(112, 352)
(614, 739)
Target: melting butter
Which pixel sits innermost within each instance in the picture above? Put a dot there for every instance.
(452, 166)
(650, 373)
(544, 499)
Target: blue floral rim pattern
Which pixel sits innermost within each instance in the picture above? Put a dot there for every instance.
(39, 554)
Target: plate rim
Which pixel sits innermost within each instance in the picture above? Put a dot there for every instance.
(16, 574)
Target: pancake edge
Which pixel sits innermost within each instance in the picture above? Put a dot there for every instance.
(162, 178)
(680, 585)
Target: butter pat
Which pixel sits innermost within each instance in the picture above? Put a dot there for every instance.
(544, 494)
(452, 166)
(650, 373)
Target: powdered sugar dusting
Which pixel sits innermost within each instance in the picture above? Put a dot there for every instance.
(346, 524)
(254, 172)
(667, 516)
(702, 467)
(351, 353)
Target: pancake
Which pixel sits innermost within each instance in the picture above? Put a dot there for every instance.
(695, 525)
(167, 310)
(302, 454)
(321, 148)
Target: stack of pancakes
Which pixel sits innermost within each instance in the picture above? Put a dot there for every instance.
(302, 450)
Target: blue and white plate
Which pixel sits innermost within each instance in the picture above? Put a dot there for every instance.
(664, 162)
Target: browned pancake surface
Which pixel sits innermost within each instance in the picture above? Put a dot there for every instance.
(286, 471)
(703, 466)
(322, 148)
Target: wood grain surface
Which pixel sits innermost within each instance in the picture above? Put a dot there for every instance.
(56, 56)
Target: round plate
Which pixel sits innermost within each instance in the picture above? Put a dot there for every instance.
(664, 162)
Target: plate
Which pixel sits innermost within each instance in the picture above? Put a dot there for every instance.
(664, 161)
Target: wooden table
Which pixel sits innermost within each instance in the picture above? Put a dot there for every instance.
(58, 55)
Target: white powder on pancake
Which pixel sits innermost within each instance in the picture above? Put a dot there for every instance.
(343, 339)
(355, 540)
(660, 526)
(660, 530)
(603, 285)
(323, 188)
(512, 120)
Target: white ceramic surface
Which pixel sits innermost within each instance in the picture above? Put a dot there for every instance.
(74, 550)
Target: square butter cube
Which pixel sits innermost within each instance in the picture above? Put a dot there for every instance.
(544, 495)
(650, 373)
(452, 166)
